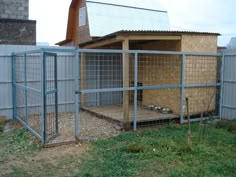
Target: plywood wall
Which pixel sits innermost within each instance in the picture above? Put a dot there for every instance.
(165, 70)
(200, 70)
(199, 43)
(159, 70)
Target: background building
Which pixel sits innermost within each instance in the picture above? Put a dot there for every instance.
(15, 26)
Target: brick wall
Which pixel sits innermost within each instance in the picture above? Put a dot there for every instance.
(21, 32)
(14, 9)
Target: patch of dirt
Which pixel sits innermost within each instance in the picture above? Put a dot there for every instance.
(52, 154)
(63, 160)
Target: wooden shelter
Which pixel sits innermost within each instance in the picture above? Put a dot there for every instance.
(153, 69)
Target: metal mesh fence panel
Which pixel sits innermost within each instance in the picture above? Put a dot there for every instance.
(33, 71)
(101, 120)
(20, 91)
(202, 74)
(116, 90)
(154, 69)
(27, 72)
(102, 111)
(34, 111)
(158, 94)
(101, 70)
(51, 114)
(20, 104)
(63, 124)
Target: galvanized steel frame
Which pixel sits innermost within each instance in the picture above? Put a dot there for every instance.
(42, 92)
(135, 89)
(182, 85)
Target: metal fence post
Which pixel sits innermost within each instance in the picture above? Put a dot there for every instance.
(222, 84)
(182, 89)
(13, 72)
(56, 94)
(77, 89)
(25, 89)
(43, 106)
(135, 90)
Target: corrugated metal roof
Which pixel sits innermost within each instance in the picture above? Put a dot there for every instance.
(232, 43)
(107, 18)
(146, 4)
(143, 32)
(165, 31)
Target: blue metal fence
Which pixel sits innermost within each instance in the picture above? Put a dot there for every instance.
(35, 90)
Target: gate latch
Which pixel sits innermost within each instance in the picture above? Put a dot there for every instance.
(77, 92)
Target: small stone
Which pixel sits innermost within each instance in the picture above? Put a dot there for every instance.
(117, 127)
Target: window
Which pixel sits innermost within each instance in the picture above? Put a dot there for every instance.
(82, 16)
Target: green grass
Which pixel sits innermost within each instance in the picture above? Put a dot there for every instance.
(227, 125)
(17, 143)
(162, 152)
(21, 156)
(150, 153)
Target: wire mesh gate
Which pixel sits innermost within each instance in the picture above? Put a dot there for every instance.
(50, 96)
(35, 93)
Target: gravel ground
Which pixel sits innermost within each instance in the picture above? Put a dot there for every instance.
(90, 127)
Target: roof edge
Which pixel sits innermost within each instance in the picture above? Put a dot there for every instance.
(143, 32)
(126, 6)
(63, 42)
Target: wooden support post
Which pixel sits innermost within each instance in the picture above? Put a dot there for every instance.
(83, 78)
(125, 46)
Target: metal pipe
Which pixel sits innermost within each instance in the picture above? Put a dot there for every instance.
(148, 88)
(27, 88)
(222, 85)
(25, 85)
(27, 52)
(77, 85)
(135, 91)
(43, 109)
(182, 89)
(13, 85)
(29, 128)
(56, 92)
(147, 52)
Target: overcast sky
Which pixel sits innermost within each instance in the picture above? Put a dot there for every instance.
(198, 15)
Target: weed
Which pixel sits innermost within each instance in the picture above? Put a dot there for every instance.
(135, 148)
